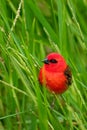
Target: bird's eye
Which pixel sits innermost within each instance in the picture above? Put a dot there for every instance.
(53, 61)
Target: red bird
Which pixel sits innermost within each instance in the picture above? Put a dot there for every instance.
(55, 73)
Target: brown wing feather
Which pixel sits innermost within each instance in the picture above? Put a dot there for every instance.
(68, 75)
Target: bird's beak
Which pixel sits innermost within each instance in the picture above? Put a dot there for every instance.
(46, 61)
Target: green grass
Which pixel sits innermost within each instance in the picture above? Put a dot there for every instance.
(29, 30)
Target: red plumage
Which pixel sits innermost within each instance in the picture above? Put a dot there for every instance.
(55, 73)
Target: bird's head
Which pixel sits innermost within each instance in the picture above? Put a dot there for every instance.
(54, 62)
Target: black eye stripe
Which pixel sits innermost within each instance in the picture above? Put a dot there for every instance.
(53, 61)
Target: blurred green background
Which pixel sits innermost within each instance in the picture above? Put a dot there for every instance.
(29, 30)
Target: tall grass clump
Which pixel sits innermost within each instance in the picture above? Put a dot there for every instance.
(29, 30)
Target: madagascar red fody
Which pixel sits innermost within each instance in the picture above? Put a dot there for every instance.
(55, 74)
